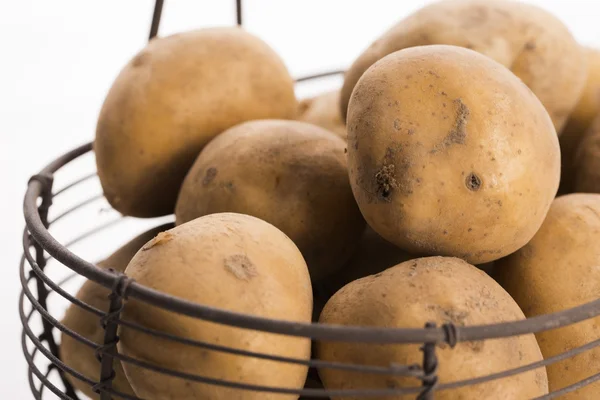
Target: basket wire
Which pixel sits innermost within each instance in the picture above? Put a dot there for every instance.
(32, 274)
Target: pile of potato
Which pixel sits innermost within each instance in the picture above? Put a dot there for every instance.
(380, 204)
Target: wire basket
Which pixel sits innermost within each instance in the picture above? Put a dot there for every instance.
(40, 287)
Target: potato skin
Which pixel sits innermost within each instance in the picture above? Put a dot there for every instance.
(230, 261)
(78, 355)
(532, 43)
(555, 271)
(289, 173)
(433, 289)
(323, 110)
(453, 156)
(171, 99)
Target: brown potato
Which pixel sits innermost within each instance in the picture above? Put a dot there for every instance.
(229, 261)
(586, 165)
(580, 121)
(324, 110)
(171, 99)
(289, 173)
(440, 290)
(535, 45)
(557, 270)
(79, 356)
(450, 154)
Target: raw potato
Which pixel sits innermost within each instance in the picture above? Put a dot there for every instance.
(580, 122)
(79, 356)
(586, 167)
(532, 43)
(289, 173)
(440, 290)
(229, 261)
(324, 110)
(450, 154)
(558, 270)
(171, 99)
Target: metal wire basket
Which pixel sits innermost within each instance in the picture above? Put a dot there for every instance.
(40, 287)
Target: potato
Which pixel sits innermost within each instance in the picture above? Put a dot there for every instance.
(535, 45)
(230, 261)
(580, 122)
(171, 99)
(79, 356)
(440, 290)
(289, 173)
(450, 154)
(558, 270)
(324, 110)
(586, 165)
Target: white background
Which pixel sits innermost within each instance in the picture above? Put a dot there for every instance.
(58, 58)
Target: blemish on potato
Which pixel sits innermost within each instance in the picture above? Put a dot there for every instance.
(476, 346)
(530, 45)
(211, 173)
(473, 182)
(241, 267)
(458, 133)
(161, 238)
(228, 185)
(397, 124)
(385, 180)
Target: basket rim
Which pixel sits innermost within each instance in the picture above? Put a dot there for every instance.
(314, 330)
